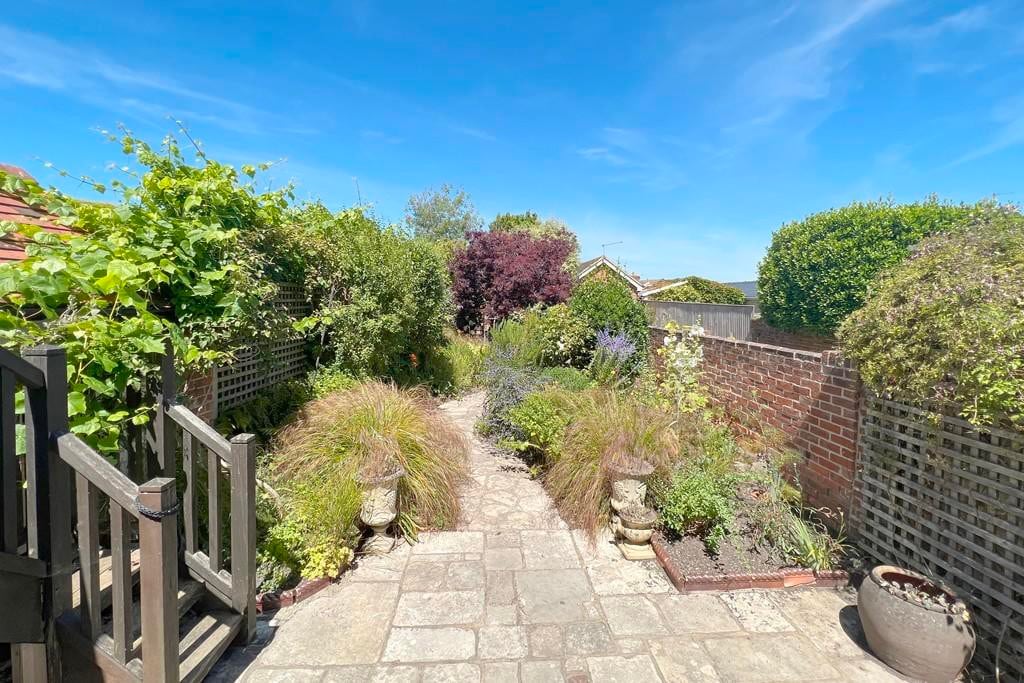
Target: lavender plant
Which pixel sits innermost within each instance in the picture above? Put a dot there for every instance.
(613, 360)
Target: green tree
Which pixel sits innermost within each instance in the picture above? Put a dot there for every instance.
(946, 327)
(531, 224)
(817, 271)
(440, 215)
(701, 290)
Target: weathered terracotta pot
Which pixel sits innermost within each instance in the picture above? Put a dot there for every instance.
(379, 509)
(924, 642)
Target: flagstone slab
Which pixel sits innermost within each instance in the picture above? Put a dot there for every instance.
(764, 658)
(553, 596)
(440, 608)
(633, 616)
(623, 669)
(430, 644)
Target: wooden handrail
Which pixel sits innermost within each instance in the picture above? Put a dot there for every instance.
(195, 426)
(98, 471)
(29, 375)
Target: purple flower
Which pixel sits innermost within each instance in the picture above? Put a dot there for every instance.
(617, 345)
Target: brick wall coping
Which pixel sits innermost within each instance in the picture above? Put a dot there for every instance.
(832, 358)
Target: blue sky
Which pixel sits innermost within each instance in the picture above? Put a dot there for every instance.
(687, 131)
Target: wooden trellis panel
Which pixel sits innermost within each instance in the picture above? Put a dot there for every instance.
(258, 368)
(948, 500)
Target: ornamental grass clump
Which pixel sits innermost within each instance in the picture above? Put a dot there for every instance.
(607, 428)
(372, 428)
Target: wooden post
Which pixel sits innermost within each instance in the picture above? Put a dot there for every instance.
(166, 433)
(158, 540)
(243, 532)
(49, 505)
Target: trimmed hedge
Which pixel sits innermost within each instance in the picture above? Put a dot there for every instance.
(701, 290)
(946, 327)
(609, 305)
(817, 271)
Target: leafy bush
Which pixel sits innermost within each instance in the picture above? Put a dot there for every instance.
(498, 273)
(371, 427)
(701, 504)
(328, 380)
(567, 378)
(817, 271)
(612, 364)
(947, 326)
(188, 253)
(566, 336)
(381, 298)
(507, 385)
(455, 367)
(701, 290)
(682, 355)
(541, 418)
(267, 411)
(609, 305)
(606, 426)
(518, 340)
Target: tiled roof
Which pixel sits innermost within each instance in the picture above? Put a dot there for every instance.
(13, 209)
(748, 287)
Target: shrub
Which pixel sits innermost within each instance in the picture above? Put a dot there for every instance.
(541, 418)
(817, 271)
(187, 254)
(519, 340)
(607, 425)
(507, 386)
(371, 427)
(381, 298)
(947, 326)
(498, 273)
(699, 503)
(612, 364)
(455, 367)
(267, 411)
(700, 290)
(609, 305)
(567, 378)
(566, 336)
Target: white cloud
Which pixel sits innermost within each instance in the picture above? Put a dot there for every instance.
(1008, 115)
(89, 76)
(637, 158)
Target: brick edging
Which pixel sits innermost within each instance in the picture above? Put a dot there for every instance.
(272, 600)
(784, 578)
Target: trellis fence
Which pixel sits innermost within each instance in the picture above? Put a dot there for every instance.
(728, 321)
(260, 367)
(948, 499)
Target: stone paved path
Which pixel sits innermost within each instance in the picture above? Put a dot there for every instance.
(514, 595)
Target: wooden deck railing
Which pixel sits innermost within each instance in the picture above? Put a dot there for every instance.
(37, 547)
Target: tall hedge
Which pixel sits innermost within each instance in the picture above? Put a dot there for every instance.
(701, 290)
(817, 271)
(946, 327)
(610, 305)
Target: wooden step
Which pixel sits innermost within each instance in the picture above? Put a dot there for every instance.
(189, 593)
(204, 643)
(106, 579)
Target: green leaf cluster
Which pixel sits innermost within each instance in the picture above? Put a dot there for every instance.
(817, 271)
(701, 290)
(188, 253)
(609, 304)
(946, 327)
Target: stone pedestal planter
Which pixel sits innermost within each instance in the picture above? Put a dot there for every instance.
(637, 526)
(629, 488)
(914, 625)
(379, 509)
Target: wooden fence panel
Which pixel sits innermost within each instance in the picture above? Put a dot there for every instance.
(718, 320)
(948, 500)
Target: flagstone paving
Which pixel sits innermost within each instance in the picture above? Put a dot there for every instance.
(515, 595)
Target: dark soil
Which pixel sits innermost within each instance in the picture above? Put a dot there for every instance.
(736, 555)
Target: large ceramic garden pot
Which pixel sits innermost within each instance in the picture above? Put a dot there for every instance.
(629, 487)
(914, 625)
(379, 508)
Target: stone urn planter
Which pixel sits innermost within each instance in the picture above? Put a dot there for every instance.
(914, 625)
(629, 487)
(379, 508)
(637, 527)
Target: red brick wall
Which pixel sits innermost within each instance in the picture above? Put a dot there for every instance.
(814, 398)
(763, 333)
(198, 392)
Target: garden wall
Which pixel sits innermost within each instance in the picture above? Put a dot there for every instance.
(763, 333)
(811, 397)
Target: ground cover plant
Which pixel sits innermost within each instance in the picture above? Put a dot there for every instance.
(371, 427)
